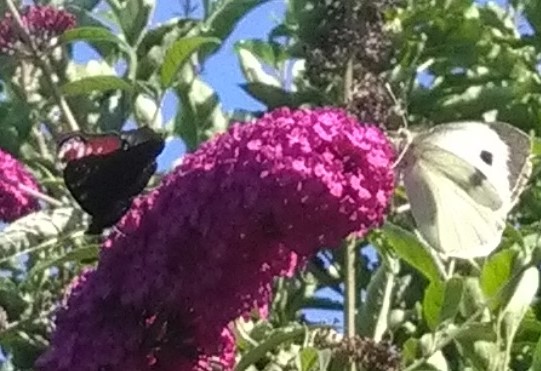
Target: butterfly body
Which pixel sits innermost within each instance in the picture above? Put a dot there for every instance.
(462, 179)
(104, 172)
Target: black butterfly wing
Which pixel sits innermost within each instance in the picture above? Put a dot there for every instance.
(104, 185)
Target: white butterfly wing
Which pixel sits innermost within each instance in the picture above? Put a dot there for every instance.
(462, 179)
(446, 215)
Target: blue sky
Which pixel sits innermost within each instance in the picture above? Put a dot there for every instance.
(222, 71)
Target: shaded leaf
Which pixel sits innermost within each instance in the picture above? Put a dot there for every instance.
(497, 271)
(276, 338)
(178, 54)
(253, 68)
(307, 359)
(133, 16)
(200, 115)
(36, 231)
(77, 255)
(92, 84)
(409, 248)
(92, 34)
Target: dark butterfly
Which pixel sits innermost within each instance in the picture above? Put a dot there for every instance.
(104, 172)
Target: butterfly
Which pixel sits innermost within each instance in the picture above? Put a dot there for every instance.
(461, 180)
(104, 172)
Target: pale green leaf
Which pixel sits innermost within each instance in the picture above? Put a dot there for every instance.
(178, 54)
(409, 248)
(93, 84)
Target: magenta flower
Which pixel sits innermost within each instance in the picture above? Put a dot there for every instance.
(203, 248)
(42, 23)
(14, 201)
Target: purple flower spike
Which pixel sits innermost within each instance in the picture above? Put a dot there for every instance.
(42, 23)
(202, 249)
(14, 203)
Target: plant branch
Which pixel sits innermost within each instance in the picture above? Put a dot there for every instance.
(351, 291)
(44, 66)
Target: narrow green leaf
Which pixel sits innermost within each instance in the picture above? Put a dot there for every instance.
(274, 340)
(76, 255)
(133, 16)
(451, 299)
(271, 96)
(307, 359)
(92, 84)
(522, 293)
(253, 68)
(200, 115)
(536, 363)
(496, 272)
(536, 146)
(411, 350)
(409, 248)
(324, 359)
(92, 34)
(432, 303)
(178, 54)
(223, 18)
(374, 311)
(36, 231)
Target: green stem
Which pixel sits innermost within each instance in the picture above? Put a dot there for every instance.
(351, 291)
(44, 66)
(351, 247)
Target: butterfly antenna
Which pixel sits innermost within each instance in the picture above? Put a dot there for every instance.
(397, 104)
(406, 134)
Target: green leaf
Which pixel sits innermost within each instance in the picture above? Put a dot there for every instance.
(441, 301)
(92, 84)
(223, 18)
(200, 115)
(271, 96)
(411, 350)
(253, 68)
(409, 248)
(178, 54)
(276, 338)
(92, 34)
(15, 124)
(536, 363)
(451, 299)
(432, 302)
(324, 359)
(77, 255)
(12, 301)
(523, 291)
(36, 231)
(536, 146)
(271, 53)
(374, 312)
(496, 272)
(307, 359)
(84, 4)
(133, 16)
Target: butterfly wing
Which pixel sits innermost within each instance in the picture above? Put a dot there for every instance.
(104, 180)
(460, 187)
(446, 213)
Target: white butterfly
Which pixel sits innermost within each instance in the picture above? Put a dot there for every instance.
(462, 179)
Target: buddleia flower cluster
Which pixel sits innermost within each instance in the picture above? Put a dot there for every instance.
(43, 24)
(15, 202)
(363, 351)
(351, 29)
(203, 248)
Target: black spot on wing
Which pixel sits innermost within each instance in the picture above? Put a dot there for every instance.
(477, 178)
(487, 157)
(519, 144)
